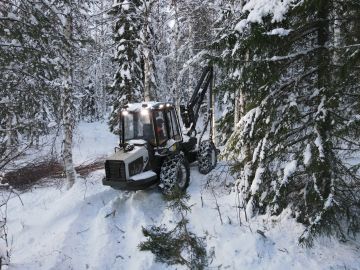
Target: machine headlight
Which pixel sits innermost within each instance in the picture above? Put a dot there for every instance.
(136, 166)
(144, 112)
(173, 148)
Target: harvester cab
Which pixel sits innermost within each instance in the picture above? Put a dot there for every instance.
(153, 149)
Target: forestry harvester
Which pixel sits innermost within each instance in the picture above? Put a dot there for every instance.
(154, 150)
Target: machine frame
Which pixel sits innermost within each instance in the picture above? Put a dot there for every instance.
(139, 163)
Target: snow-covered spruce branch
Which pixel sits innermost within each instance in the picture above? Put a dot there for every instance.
(26, 74)
(284, 86)
(315, 225)
(282, 58)
(177, 245)
(347, 140)
(15, 20)
(275, 58)
(20, 46)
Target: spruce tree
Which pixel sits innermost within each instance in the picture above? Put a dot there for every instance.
(229, 71)
(134, 78)
(293, 146)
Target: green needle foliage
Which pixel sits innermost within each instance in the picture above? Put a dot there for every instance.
(177, 245)
(296, 142)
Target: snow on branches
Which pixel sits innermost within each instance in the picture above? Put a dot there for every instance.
(294, 146)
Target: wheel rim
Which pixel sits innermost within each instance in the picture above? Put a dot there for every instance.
(213, 158)
(181, 176)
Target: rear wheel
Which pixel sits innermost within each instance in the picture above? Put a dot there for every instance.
(175, 173)
(207, 157)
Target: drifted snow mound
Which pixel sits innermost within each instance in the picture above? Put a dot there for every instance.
(95, 227)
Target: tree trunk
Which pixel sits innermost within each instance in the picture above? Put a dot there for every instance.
(147, 60)
(191, 54)
(9, 130)
(240, 98)
(238, 94)
(323, 123)
(67, 112)
(102, 77)
(337, 32)
(147, 76)
(176, 56)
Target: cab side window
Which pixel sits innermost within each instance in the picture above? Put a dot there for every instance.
(173, 125)
(174, 120)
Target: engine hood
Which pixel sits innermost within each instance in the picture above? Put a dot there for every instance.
(129, 156)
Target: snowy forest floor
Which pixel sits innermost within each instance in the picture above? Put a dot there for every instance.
(92, 226)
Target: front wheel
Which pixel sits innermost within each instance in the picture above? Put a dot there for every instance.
(175, 173)
(207, 156)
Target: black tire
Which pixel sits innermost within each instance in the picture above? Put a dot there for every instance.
(207, 157)
(174, 173)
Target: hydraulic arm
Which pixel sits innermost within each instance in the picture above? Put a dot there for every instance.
(190, 112)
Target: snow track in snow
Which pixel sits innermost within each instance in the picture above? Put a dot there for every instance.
(101, 230)
(96, 227)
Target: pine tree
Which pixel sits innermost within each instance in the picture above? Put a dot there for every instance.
(300, 128)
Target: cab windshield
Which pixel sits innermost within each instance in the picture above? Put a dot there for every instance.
(138, 125)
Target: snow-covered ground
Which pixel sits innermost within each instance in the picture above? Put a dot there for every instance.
(91, 141)
(95, 227)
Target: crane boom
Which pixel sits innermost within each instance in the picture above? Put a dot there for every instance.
(190, 112)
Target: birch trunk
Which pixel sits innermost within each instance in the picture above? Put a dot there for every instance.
(237, 107)
(9, 131)
(191, 54)
(240, 98)
(337, 33)
(147, 76)
(67, 110)
(147, 60)
(176, 56)
(102, 77)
